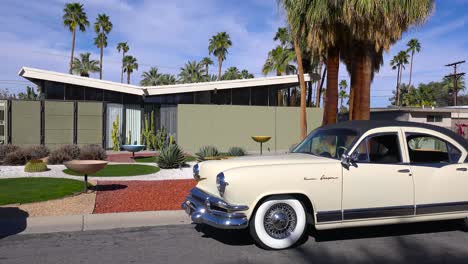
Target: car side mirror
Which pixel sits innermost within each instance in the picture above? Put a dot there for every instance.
(348, 160)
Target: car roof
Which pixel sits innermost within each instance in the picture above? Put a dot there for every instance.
(362, 126)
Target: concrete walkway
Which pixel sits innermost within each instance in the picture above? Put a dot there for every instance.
(72, 223)
(56, 171)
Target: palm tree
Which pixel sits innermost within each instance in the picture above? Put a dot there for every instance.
(192, 72)
(343, 94)
(122, 46)
(280, 60)
(398, 63)
(449, 85)
(413, 46)
(29, 95)
(167, 79)
(151, 77)
(74, 17)
(102, 27)
(245, 74)
(232, 73)
(130, 64)
(84, 66)
(218, 46)
(206, 61)
(283, 36)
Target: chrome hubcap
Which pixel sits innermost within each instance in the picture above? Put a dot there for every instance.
(280, 220)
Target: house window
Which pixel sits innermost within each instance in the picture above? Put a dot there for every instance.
(434, 118)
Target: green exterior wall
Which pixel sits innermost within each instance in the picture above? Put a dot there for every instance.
(58, 123)
(226, 126)
(26, 123)
(89, 123)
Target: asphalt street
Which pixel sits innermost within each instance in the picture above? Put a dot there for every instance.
(419, 243)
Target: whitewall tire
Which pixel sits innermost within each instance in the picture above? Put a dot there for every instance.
(465, 224)
(279, 223)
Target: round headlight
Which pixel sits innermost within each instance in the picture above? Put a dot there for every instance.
(221, 184)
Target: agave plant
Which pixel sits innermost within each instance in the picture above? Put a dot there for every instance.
(171, 157)
(236, 151)
(207, 152)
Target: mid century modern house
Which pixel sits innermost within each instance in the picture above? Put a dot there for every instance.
(81, 110)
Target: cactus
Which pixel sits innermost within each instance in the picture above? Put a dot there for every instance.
(161, 139)
(35, 166)
(147, 134)
(115, 135)
(171, 157)
(129, 139)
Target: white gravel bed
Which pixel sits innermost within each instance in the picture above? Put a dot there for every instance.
(56, 171)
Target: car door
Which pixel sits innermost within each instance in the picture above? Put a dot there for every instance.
(439, 171)
(379, 183)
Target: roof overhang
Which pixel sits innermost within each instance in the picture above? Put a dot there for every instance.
(33, 75)
(220, 85)
(36, 75)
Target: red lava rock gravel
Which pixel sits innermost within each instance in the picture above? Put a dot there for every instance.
(126, 156)
(133, 196)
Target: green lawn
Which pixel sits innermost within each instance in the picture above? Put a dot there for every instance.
(120, 170)
(154, 159)
(28, 190)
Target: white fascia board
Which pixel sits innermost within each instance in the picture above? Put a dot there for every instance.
(220, 85)
(33, 73)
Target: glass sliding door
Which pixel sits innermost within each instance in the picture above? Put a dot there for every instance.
(114, 112)
(133, 124)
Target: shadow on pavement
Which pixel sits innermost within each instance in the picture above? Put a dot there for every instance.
(108, 187)
(384, 231)
(228, 237)
(12, 221)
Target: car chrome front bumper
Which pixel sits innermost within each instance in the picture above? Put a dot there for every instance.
(207, 209)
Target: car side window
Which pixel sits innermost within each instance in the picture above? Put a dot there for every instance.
(384, 148)
(424, 148)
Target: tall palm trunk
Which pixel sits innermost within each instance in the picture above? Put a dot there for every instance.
(364, 93)
(128, 77)
(122, 72)
(356, 88)
(100, 63)
(411, 70)
(220, 63)
(352, 88)
(300, 69)
(398, 86)
(331, 105)
(318, 93)
(72, 50)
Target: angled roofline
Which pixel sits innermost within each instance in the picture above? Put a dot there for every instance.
(33, 73)
(220, 85)
(38, 74)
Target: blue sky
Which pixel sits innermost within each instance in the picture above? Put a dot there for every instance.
(167, 34)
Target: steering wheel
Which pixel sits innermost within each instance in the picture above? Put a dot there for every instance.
(338, 151)
(325, 154)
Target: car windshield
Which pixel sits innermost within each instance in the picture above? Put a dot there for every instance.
(329, 143)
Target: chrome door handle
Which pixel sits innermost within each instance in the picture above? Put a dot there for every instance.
(462, 169)
(309, 178)
(404, 171)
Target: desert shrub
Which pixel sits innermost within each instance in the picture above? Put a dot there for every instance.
(36, 152)
(72, 150)
(207, 151)
(5, 149)
(236, 151)
(58, 156)
(35, 166)
(171, 157)
(15, 158)
(93, 152)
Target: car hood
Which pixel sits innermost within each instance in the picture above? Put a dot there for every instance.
(208, 170)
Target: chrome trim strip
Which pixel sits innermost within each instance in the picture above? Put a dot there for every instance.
(441, 208)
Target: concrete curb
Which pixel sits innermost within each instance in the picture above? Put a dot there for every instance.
(73, 223)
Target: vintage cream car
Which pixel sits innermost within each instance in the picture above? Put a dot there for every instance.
(357, 173)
